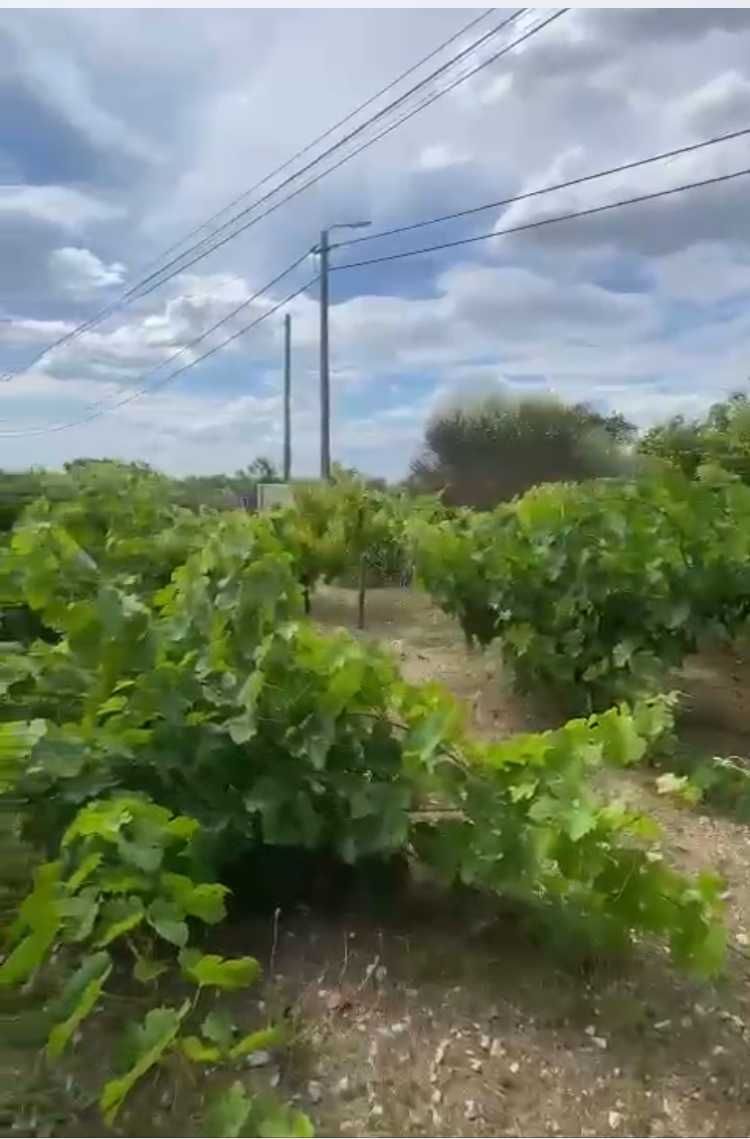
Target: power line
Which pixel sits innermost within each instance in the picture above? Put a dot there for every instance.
(217, 324)
(372, 261)
(665, 154)
(393, 105)
(544, 221)
(347, 157)
(203, 249)
(113, 306)
(147, 389)
(327, 133)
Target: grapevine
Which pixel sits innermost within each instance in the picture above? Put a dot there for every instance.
(597, 590)
(177, 719)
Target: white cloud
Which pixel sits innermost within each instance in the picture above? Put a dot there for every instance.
(58, 80)
(26, 330)
(62, 206)
(80, 272)
(640, 309)
(721, 104)
(497, 88)
(440, 155)
(704, 272)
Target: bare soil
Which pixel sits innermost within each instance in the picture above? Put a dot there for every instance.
(430, 1018)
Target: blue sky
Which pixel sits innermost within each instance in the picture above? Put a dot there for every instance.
(121, 130)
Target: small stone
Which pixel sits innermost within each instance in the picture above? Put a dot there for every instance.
(258, 1059)
(600, 1042)
(590, 1030)
(496, 1048)
(484, 1042)
(514, 1067)
(399, 1028)
(743, 939)
(376, 1110)
(314, 1091)
(614, 1118)
(275, 1077)
(475, 1065)
(437, 1097)
(662, 1025)
(342, 1086)
(718, 1050)
(471, 1111)
(380, 974)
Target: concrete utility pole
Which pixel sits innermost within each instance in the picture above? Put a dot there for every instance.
(287, 397)
(325, 374)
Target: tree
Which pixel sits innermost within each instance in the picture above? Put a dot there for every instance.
(263, 470)
(498, 447)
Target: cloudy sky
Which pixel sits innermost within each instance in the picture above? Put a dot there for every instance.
(123, 130)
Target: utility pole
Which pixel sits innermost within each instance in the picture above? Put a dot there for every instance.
(287, 397)
(325, 375)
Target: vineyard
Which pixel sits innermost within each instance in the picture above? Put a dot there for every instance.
(180, 728)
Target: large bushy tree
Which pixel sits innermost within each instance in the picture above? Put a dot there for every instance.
(496, 447)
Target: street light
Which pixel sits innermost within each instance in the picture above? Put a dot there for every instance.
(325, 375)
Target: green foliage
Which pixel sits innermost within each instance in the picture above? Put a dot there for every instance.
(184, 717)
(598, 589)
(219, 972)
(235, 1113)
(151, 1040)
(720, 440)
(81, 994)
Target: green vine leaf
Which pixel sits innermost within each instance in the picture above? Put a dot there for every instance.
(228, 1113)
(146, 969)
(220, 972)
(262, 1040)
(205, 900)
(218, 1027)
(119, 916)
(198, 1051)
(17, 741)
(82, 993)
(86, 868)
(157, 1033)
(167, 919)
(79, 912)
(273, 1120)
(40, 915)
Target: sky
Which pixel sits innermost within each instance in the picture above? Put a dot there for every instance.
(122, 130)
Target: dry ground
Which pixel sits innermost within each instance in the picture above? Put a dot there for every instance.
(430, 1020)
